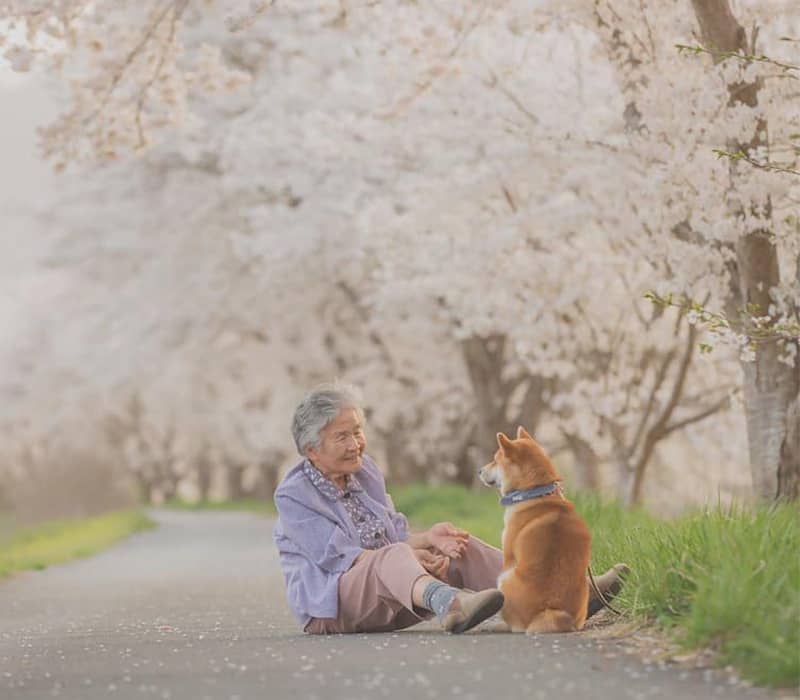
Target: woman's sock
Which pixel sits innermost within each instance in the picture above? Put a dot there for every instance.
(438, 597)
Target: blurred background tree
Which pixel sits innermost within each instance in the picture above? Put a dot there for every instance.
(460, 210)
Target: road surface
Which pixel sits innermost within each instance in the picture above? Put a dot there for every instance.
(195, 609)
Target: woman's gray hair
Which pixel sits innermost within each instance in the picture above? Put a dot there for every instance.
(318, 409)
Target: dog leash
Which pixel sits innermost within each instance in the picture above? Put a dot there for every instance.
(599, 595)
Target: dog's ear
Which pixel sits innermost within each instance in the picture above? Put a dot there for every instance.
(505, 443)
(523, 434)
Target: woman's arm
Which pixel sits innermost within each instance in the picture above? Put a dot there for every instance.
(418, 540)
(444, 538)
(319, 539)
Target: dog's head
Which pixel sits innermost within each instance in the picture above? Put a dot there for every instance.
(518, 464)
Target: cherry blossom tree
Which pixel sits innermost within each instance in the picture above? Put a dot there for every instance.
(720, 216)
(461, 209)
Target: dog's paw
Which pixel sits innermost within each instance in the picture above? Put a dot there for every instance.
(496, 626)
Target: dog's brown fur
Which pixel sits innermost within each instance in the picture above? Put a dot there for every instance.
(546, 544)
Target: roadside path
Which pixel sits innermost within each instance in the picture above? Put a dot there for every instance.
(195, 610)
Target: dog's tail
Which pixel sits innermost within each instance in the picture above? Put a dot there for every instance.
(551, 620)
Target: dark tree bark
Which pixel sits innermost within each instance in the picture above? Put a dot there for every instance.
(268, 468)
(587, 462)
(234, 473)
(486, 360)
(204, 468)
(771, 388)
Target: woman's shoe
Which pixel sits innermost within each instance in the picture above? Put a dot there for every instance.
(609, 584)
(470, 609)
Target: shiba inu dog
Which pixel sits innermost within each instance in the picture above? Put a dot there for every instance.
(546, 544)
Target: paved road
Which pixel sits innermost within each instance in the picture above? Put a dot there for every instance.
(195, 610)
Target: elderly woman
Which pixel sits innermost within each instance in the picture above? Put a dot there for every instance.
(348, 558)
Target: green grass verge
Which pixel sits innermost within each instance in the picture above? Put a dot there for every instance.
(56, 542)
(725, 578)
(476, 511)
(250, 505)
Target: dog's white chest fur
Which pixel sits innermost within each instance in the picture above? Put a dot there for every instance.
(506, 519)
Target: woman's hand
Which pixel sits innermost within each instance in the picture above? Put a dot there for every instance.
(448, 540)
(433, 563)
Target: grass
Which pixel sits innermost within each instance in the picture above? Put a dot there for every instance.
(250, 505)
(725, 578)
(476, 511)
(60, 541)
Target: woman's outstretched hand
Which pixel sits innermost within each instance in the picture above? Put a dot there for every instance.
(448, 540)
(433, 563)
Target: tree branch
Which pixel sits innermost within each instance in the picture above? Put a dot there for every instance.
(657, 432)
(724, 402)
(661, 375)
(132, 54)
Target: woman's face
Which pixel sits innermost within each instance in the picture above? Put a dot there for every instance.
(343, 443)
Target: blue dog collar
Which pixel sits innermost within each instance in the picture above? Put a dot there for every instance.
(518, 496)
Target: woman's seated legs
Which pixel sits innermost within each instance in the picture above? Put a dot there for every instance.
(478, 567)
(375, 594)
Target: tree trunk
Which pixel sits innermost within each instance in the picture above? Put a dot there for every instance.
(402, 467)
(168, 481)
(771, 388)
(234, 473)
(789, 468)
(267, 482)
(467, 467)
(484, 358)
(587, 462)
(771, 405)
(204, 468)
(144, 486)
(466, 461)
(268, 469)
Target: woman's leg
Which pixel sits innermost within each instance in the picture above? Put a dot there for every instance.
(375, 594)
(478, 567)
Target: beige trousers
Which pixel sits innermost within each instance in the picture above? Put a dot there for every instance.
(375, 593)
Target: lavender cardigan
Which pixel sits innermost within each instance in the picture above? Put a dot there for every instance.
(317, 541)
